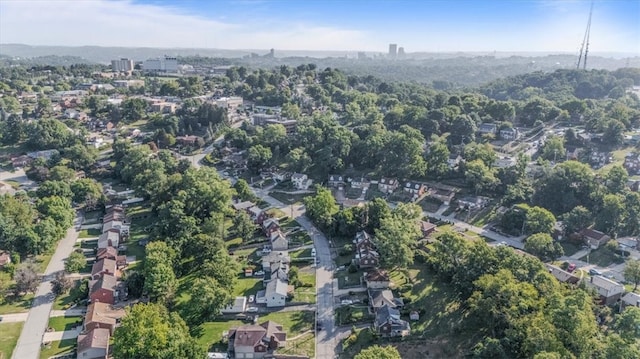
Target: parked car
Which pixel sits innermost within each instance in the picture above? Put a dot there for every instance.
(252, 310)
(594, 271)
(258, 274)
(346, 302)
(252, 298)
(313, 252)
(571, 267)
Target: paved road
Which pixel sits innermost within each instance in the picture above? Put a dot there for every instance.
(30, 341)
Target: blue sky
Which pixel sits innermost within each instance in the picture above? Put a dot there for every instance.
(427, 25)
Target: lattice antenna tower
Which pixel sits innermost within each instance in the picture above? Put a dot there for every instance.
(585, 43)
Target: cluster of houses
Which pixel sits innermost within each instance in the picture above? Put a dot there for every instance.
(105, 287)
(632, 163)
(507, 134)
(382, 302)
(275, 260)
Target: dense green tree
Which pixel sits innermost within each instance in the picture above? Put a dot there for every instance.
(321, 207)
(298, 160)
(54, 188)
(614, 133)
(258, 157)
(80, 156)
(632, 272)
(611, 216)
(576, 220)
(375, 212)
(378, 352)
(243, 190)
(480, 177)
(26, 279)
(75, 262)
(543, 246)
(133, 109)
(436, 159)
(397, 236)
(60, 284)
(244, 226)
(553, 149)
(48, 134)
(616, 179)
(539, 220)
(484, 152)
(87, 191)
(150, 331)
(160, 280)
(207, 299)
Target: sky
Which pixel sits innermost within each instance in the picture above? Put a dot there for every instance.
(346, 25)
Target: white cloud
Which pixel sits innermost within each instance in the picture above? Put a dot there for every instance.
(124, 23)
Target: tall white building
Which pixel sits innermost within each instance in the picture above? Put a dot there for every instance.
(122, 65)
(393, 48)
(163, 64)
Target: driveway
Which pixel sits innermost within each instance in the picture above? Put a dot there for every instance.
(30, 340)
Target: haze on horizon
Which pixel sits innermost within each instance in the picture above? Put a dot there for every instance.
(418, 26)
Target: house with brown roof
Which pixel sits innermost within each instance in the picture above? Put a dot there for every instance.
(426, 228)
(366, 254)
(103, 267)
(415, 189)
(104, 290)
(270, 225)
(102, 315)
(94, 344)
(381, 297)
(377, 279)
(112, 253)
(594, 238)
(387, 185)
(256, 341)
(443, 194)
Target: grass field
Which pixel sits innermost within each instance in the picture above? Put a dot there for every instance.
(307, 293)
(65, 301)
(58, 348)
(353, 314)
(602, 257)
(60, 324)
(9, 304)
(89, 233)
(9, 334)
(287, 198)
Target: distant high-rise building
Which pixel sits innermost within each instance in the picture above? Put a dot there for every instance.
(163, 64)
(122, 65)
(393, 50)
(401, 53)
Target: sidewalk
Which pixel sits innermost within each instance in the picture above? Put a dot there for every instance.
(57, 336)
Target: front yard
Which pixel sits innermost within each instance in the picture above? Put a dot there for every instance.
(60, 324)
(9, 334)
(602, 257)
(353, 314)
(66, 346)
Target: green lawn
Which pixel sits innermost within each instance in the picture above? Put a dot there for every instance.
(306, 293)
(294, 323)
(300, 253)
(9, 334)
(569, 248)
(9, 304)
(429, 204)
(287, 198)
(247, 286)
(352, 314)
(60, 324)
(89, 233)
(276, 213)
(300, 238)
(65, 301)
(58, 348)
(349, 280)
(602, 257)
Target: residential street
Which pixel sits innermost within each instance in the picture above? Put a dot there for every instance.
(30, 341)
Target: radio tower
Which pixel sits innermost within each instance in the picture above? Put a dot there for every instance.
(585, 40)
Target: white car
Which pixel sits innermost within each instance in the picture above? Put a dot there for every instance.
(258, 274)
(313, 252)
(346, 302)
(252, 310)
(252, 298)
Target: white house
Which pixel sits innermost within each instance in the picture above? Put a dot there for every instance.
(301, 181)
(630, 299)
(608, 290)
(276, 293)
(278, 241)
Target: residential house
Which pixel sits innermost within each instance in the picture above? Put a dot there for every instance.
(119, 226)
(414, 315)
(562, 275)
(488, 128)
(505, 162)
(509, 134)
(278, 241)
(110, 238)
(443, 195)
(360, 183)
(336, 181)
(427, 228)
(104, 290)
(381, 297)
(415, 189)
(632, 163)
(594, 238)
(454, 160)
(189, 140)
(609, 291)
(45, 155)
(163, 107)
(275, 293)
(94, 344)
(258, 215)
(301, 181)
(472, 203)
(21, 161)
(280, 176)
(377, 279)
(103, 267)
(275, 257)
(387, 185)
(630, 299)
(277, 270)
(256, 341)
(112, 253)
(5, 258)
(244, 206)
(239, 305)
(366, 254)
(389, 324)
(270, 225)
(102, 316)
